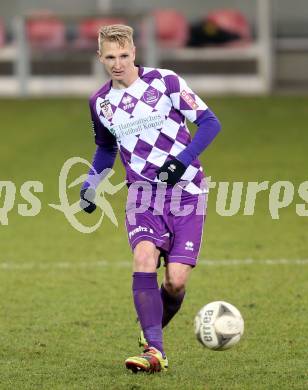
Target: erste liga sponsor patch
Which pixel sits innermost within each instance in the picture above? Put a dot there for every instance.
(189, 100)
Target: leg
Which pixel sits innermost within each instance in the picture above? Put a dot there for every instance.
(146, 233)
(146, 294)
(187, 233)
(173, 289)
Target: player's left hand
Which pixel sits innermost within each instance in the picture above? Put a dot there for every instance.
(171, 172)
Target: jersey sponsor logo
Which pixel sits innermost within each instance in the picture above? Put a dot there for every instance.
(189, 100)
(106, 109)
(112, 131)
(189, 246)
(150, 96)
(136, 126)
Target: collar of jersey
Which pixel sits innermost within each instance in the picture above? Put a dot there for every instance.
(116, 90)
(121, 90)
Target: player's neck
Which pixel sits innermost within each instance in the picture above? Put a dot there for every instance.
(128, 81)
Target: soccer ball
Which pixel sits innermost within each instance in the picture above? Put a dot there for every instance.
(219, 325)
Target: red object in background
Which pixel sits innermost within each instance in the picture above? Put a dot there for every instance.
(172, 29)
(231, 21)
(88, 30)
(2, 34)
(46, 32)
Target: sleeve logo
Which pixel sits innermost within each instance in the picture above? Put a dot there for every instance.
(106, 109)
(189, 100)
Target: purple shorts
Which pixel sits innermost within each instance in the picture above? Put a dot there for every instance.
(174, 223)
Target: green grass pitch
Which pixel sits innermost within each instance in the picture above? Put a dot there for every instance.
(66, 314)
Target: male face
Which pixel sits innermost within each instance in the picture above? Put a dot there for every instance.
(118, 60)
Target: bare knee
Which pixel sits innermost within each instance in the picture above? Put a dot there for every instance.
(176, 277)
(174, 285)
(145, 257)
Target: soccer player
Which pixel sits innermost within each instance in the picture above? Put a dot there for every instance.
(142, 113)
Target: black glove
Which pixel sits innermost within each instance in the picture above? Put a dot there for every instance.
(87, 195)
(171, 172)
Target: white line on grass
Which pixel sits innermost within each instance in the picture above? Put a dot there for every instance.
(10, 265)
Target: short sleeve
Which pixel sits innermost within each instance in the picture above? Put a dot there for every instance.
(183, 98)
(102, 135)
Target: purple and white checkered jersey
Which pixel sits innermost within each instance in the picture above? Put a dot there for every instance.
(147, 120)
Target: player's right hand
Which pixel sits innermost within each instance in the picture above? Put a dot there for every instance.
(171, 171)
(87, 196)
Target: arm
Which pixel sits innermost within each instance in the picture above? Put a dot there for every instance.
(195, 110)
(104, 158)
(208, 127)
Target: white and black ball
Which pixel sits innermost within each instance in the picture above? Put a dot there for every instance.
(219, 325)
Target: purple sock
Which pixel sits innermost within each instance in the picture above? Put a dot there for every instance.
(149, 307)
(171, 304)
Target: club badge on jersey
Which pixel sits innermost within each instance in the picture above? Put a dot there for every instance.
(151, 96)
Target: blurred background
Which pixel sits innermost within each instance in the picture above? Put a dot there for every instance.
(259, 46)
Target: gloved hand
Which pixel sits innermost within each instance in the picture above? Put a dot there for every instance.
(87, 196)
(171, 171)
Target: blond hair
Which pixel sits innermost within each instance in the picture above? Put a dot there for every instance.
(119, 33)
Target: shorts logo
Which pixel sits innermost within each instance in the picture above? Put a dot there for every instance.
(106, 109)
(140, 229)
(189, 246)
(151, 96)
(188, 99)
